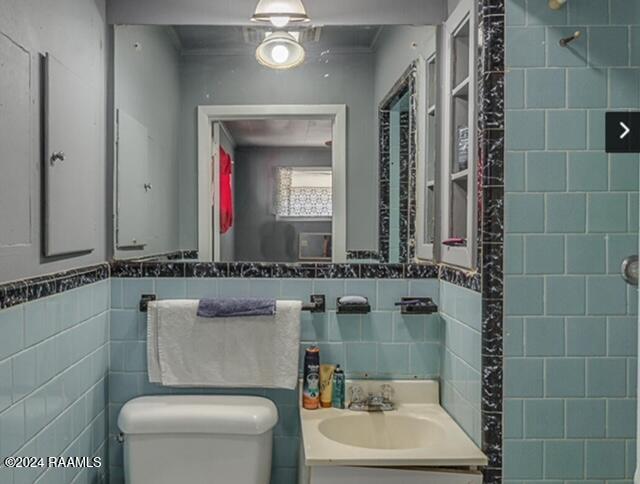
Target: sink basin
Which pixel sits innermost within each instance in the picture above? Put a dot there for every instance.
(382, 431)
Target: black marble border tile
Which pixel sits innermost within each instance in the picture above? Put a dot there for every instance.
(460, 277)
(31, 289)
(362, 254)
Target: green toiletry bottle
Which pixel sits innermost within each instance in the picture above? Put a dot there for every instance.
(337, 398)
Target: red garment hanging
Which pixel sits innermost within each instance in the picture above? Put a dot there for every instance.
(226, 192)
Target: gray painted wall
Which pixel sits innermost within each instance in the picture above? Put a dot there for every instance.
(327, 12)
(74, 31)
(227, 240)
(334, 79)
(147, 87)
(259, 237)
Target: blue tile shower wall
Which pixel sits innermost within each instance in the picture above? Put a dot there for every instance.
(382, 344)
(571, 216)
(461, 313)
(53, 383)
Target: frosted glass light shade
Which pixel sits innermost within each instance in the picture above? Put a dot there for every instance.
(280, 51)
(280, 12)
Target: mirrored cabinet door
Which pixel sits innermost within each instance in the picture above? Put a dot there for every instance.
(458, 138)
(427, 183)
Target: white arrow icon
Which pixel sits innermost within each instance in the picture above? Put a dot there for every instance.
(626, 130)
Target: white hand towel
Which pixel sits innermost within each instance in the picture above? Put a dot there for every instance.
(256, 351)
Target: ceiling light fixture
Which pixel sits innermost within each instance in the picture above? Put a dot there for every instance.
(280, 12)
(280, 50)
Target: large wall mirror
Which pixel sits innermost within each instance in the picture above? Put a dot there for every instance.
(250, 144)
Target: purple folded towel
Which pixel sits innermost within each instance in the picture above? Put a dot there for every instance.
(230, 307)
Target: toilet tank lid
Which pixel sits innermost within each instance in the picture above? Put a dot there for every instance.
(198, 414)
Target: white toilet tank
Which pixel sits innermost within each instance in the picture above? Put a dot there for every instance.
(197, 439)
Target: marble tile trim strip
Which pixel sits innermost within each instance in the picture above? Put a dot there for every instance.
(25, 290)
(491, 228)
(273, 270)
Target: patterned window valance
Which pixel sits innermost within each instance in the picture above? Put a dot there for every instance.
(303, 192)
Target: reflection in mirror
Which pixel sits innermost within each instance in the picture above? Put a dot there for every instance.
(256, 150)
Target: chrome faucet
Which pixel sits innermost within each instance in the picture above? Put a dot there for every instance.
(372, 402)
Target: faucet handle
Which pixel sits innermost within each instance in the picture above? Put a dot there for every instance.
(387, 391)
(356, 394)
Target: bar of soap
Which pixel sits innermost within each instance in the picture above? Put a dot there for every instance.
(352, 300)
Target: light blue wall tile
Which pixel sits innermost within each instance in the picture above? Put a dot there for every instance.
(621, 419)
(390, 292)
(586, 336)
(361, 357)
(6, 385)
(588, 12)
(544, 336)
(606, 295)
(24, 373)
(596, 129)
(296, 289)
(605, 459)
(332, 290)
(525, 46)
(622, 336)
(526, 130)
(35, 413)
(566, 212)
(544, 254)
(624, 170)
(624, 90)
(624, 12)
(408, 328)
(586, 254)
(513, 419)
(344, 327)
(546, 88)
(608, 46)
(564, 459)
(424, 359)
(133, 289)
(514, 254)
(632, 223)
(334, 353)
(524, 213)
(543, 418)
(565, 377)
(540, 14)
(46, 363)
(523, 459)
(393, 359)
(170, 288)
(514, 172)
(12, 428)
(269, 288)
(377, 326)
(234, 288)
(587, 87)
(517, 13)
(635, 46)
(606, 377)
(546, 172)
(124, 324)
(38, 325)
(12, 327)
(573, 56)
(314, 327)
(524, 295)
(565, 295)
(523, 377)
(588, 171)
(607, 212)
(425, 288)
(514, 89)
(514, 336)
(202, 288)
(586, 418)
(567, 130)
(631, 459)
